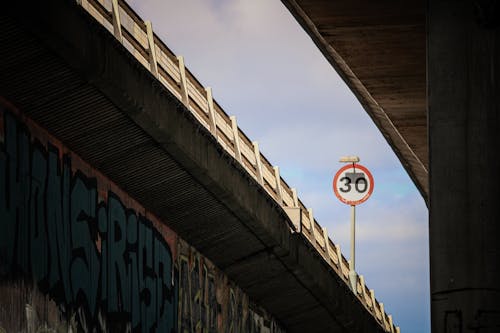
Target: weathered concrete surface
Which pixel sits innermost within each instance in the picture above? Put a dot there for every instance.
(378, 48)
(72, 77)
(464, 122)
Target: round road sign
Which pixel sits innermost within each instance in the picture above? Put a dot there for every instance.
(353, 184)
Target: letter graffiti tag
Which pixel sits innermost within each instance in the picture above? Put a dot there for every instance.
(99, 256)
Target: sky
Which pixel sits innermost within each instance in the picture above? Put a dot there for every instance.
(264, 69)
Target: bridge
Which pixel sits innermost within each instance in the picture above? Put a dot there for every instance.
(427, 73)
(379, 51)
(152, 151)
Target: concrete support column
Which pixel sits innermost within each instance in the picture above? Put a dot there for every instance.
(463, 58)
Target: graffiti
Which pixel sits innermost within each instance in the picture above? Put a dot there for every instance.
(97, 256)
(209, 302)
(69, 241)
(198, 307)
(245, 317)
(235, 316)
(255, 323)
(212, 305)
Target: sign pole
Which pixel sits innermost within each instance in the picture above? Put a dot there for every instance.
(353, 185)
(352, 262)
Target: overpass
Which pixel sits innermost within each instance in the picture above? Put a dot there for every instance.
(94, 101)
(427, 73)
(379, 51)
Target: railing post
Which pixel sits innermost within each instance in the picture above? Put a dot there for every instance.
(311, 225)
(327, 244)
(382, 312)
(184, 88)
(117, 25)
(339, 258)
(236, 138)
(258, 164)
(153, 66)
(295, 198)
(211, 112)
(362, 283)
(278, 184)
(372, 297)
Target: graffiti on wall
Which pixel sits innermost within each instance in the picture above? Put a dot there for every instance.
(99, 256)
(198, 305)
(209, 302)
(74, 246)
(249, 318)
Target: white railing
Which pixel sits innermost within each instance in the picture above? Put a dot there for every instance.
(139, 39)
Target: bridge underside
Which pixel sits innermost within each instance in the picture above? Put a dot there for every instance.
(63, 70)
(378, 48)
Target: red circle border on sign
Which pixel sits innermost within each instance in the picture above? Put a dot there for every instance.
(367, 195)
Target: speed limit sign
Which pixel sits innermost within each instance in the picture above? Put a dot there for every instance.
(353, 184)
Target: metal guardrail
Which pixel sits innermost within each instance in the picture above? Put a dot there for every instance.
(138, 38)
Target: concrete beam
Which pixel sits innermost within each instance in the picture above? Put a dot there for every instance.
(464, 106)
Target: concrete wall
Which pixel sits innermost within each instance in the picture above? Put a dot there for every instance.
(464, 137)
(79, 254)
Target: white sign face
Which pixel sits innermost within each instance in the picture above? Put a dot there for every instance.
(353, 184)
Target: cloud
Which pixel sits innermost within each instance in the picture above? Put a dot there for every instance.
(245, 49)
(318, 145)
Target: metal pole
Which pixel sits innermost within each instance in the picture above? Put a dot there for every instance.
(352, 262)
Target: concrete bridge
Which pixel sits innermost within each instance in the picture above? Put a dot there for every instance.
(427, 73)
(92, 78)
